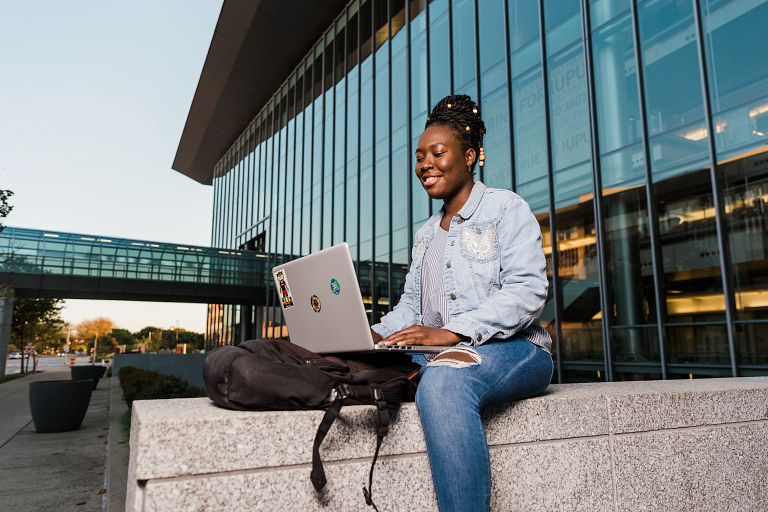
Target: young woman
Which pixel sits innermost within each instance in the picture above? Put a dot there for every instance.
(478, 280)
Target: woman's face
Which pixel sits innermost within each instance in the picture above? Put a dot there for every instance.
(441, 165)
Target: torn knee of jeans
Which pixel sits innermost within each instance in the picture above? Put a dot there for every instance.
(458, 357)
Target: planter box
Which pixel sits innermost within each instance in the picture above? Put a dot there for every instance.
(92, 372)
(59, 405)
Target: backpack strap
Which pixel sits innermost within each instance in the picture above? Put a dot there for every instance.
(318, 473)
(384, 399)
(381, 432)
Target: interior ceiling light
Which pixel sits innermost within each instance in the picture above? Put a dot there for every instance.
(696, 134)
(762, 109)
(699, 133)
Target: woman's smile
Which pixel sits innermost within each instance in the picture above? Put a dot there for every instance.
(430, 179)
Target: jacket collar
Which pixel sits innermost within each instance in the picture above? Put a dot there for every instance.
(474, 200)
(466, 211)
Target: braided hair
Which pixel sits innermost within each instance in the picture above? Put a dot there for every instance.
(462, 116)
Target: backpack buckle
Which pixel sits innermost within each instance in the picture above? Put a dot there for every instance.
(339, 393)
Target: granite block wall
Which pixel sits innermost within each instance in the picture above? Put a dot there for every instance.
(672, 445)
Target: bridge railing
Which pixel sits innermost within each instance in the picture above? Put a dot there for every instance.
(50, 252)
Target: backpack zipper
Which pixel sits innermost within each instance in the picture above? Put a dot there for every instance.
(326, 365)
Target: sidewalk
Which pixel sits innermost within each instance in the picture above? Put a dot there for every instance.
(52, 472)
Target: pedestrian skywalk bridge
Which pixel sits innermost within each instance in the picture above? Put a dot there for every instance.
(72, 266)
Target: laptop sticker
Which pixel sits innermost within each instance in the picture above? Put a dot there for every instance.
(285, 290)
(315, 303)
(335, 288)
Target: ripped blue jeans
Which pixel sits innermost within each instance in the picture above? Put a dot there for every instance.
(450, 401)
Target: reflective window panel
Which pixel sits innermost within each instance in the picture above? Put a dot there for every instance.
(530, 136)
(463, 44)
(569, 116)
(523, 23)
(618, 109)
(671, 67)
(734, 32)
(746, 200)
(630, 283)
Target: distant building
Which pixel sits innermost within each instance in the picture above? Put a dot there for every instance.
(307, 112)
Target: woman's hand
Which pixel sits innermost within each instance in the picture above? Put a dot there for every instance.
(420, 335)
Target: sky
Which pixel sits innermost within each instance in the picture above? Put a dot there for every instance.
(94, 96)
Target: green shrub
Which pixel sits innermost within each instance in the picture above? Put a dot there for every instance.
(125, 423)
(148, 385)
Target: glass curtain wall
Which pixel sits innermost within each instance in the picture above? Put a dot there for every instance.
(636, 130)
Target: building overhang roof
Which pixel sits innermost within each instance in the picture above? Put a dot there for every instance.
(255, 47)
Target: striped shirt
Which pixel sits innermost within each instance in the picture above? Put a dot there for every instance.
(434, 303)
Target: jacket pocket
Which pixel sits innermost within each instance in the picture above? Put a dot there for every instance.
(478, 242)
(480, 252)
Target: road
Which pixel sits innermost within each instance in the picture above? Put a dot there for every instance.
(44, 363)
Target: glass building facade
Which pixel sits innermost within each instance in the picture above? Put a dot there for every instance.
(636, 131)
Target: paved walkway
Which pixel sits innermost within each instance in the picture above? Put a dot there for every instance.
(51, 472)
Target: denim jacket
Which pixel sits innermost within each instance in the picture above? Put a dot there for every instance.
(495, 272)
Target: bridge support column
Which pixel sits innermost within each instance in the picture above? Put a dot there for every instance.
(6, 315)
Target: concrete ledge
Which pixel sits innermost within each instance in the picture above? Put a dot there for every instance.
(660, 445)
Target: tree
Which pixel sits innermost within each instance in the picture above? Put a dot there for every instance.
(51, 339)
(124, 337)
(6, 292)
(105, 346)
(92, 332)
(194, 340)
(5, 208)
(35, 317)
(168, 339)
(151, 336)
(89, 329)
(144, 333)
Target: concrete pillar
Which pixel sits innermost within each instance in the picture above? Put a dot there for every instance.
(6, 314)
(628, 283)
(625, 251)
(246, 324)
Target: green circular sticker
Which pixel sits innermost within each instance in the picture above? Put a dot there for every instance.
(335, 288)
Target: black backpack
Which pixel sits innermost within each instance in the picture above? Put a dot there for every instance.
(268, 375)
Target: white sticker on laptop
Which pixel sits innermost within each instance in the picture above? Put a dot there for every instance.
(284, 289)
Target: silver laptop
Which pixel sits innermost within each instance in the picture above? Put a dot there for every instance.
(323, 307)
